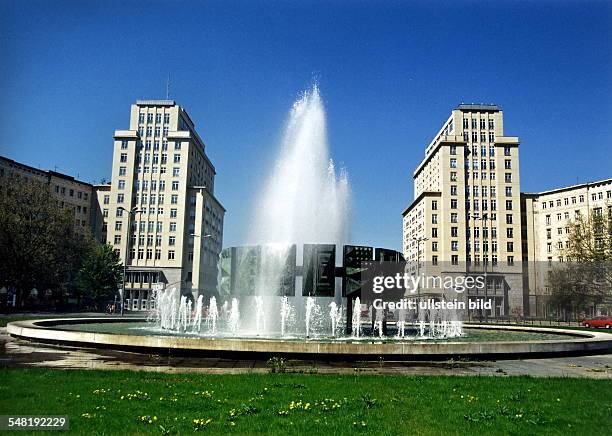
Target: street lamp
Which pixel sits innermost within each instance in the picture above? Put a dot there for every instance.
(485, 261)
(130, 213)
(418, 241)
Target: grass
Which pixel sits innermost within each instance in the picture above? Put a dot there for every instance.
(122, 402)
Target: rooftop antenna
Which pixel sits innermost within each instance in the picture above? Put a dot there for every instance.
(168, 88)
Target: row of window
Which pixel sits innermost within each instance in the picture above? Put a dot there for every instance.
(149, 118)
(149, 240)
(480, 164)
(150, 254)
(566, 215)
(476, 232)
(494, 261)
(71, 192)
(483, 123)
(150, 131)
(123, 158)
(580, 199)
(483, 137)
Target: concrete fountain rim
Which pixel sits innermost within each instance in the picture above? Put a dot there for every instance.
(45, 330)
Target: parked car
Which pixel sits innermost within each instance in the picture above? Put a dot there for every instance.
(598, 321)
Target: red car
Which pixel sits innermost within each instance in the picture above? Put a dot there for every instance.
(598, 321)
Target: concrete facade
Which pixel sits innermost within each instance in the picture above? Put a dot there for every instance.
(161, 172)
(69, 192)
(547, 218)
(465, 217)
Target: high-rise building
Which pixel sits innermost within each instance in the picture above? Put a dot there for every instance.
(466, 210)
(160, 212)
(66, 190)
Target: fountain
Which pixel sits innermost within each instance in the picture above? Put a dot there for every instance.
(234, 317)
(356, 319)
(285, 315)
(305, 201)
(213, 313)
(289, 272)
(335, 316)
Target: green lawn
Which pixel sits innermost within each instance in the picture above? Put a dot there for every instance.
(122, 402)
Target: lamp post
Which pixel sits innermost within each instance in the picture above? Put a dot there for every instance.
(130, 213)
(418, 241)
(485, 261)
(194, 235)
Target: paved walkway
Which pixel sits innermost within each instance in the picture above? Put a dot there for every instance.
(15, 353)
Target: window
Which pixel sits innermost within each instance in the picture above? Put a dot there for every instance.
(124, 144)
(547, 220)
(173, 213)
(453, 176)
(171, 240)
(120, 198)
(508, 191)
(434, 232)
(175, 171)
(508, 164)
(455, 259)
(177, 145)
(434, 260)
(173, 227)
(157, 131)
(434, 218)
(121, 184)
(508, 204)
(454, 218)
(454, 232)
(175, 185)
(510, 260)
(453, 190)
(508, 177)
(166, 118)
(453, 204)
(106, 199)
(434, 205)
(454, 246)
(509, 218)
(453, 163)
(123, 157)
(117, 239)
(509, 232)
(174, 199)
(177, 158)
(434, 246)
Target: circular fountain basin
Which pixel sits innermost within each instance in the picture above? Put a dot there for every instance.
(480, 341)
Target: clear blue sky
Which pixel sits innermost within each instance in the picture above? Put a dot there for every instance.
(390, 73)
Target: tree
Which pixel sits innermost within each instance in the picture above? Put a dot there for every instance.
(100, 274)
(585, 280)
(39, 247)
